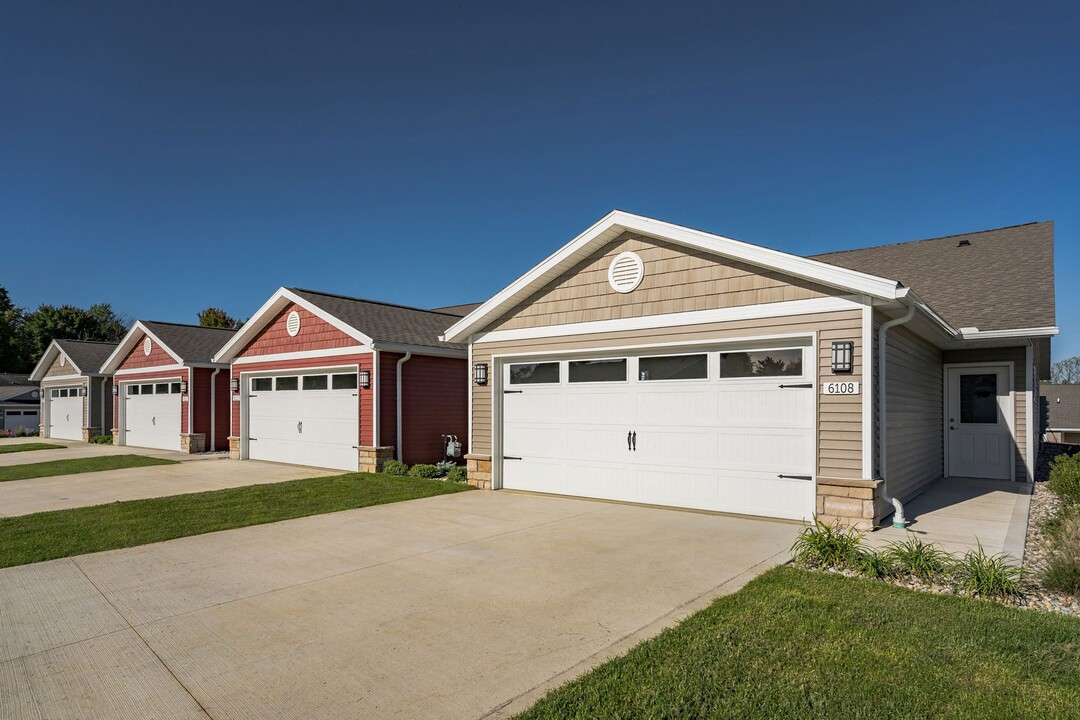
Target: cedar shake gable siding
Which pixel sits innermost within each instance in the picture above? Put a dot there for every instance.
(315, 334)
(137, 359)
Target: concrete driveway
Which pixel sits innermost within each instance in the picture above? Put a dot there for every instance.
(460, 606)
(195, 473)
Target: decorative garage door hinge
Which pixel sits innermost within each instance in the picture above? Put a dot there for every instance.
(795, 477)
(800, 385)
(510, 457)
(512, 392)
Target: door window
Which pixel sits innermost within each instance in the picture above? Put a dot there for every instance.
(978, 399)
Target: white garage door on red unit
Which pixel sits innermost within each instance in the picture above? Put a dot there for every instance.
(307, 418)
(64, 411)
(152, 413)
(721, 429)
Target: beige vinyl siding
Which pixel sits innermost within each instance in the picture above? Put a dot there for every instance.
(914, 413)
(677, 279)
(1017, 356)
(56, 369)
(839, 418)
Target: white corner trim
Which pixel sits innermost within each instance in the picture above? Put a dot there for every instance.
(1029, 371)
(617, 222)
(375, 434)
(868, 365)
(696, 317)
(302, 355)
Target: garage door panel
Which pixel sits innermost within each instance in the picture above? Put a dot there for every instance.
(152, 420)
(318, 427)
(782, 450)
(65, 417)
(677, 407)
(766, 407)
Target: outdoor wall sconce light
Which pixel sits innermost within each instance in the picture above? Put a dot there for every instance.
(115, 390)
(843, 356)
(480, 373)
(183, 386)
(364, 377)
(234, 384)
(82, 392)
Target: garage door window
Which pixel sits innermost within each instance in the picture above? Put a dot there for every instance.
(673, 367)
(262, 384)
(315, 382)
(132, 389)
(598, 370)
(761, 363)
(162, 389)
(286, 383)
(344, 382)
(534, 373)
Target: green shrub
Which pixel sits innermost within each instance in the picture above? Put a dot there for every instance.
(445, 466)
(393, 467)
(102, 439)
(457, 474)
(924, 561)
(1063, 567)
(1065, 478)
(873, 564)
(824, 546)
(989, 575)
(422, 470)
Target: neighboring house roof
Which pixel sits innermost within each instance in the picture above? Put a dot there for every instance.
(379, 325)
(1063, 405)
(15, 379)
(187, 344)
(86, 356)
(19, 393)
(991, 280)
(459, 310)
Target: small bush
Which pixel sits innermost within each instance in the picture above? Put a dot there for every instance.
(102, 439)
(393, 467)
(1063, 567)
(1065, 478)
(924, 561)
(824, 546)
(457, 474)
(989, 575)
(872, 564)
(422, 470)
(445, 466)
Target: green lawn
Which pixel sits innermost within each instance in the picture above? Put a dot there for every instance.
(78, 465)
(62, 533)
(27, 447)
(794, 644)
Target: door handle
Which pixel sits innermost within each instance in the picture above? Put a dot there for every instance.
(300, 427)
(633, 439)
(153, 420)
(629, 436)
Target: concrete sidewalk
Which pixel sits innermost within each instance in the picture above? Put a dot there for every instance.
(460, 606)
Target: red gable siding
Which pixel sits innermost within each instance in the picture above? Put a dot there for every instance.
(136, 359)
(315, 334)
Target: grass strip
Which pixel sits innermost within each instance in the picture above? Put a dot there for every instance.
(63, 533)
(27, 447)
(795, 644)
(78, 465)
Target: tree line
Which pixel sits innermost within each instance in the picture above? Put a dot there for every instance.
(26, 334)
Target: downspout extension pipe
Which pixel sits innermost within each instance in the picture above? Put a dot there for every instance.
(213, 409)
(402, 361)
(899, 521)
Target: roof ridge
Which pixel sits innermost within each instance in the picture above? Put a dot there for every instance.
(940, 237)
(96, 342)
(186, 325)
(373, 302)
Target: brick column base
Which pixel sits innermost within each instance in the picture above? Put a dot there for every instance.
(115, 436)
(478, 469)
(234, 448)
(850, 502)
(371, 458)
(192, 443)
(90, 432)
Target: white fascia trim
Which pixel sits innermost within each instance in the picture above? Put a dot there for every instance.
(142, 371)
(617, 222)
(271, 307)
(421, 349)
(696, 317)
(66, 379)
(1053, 429)
(128, 344)
(1049, 331)
(909, 297)
(302, 355)
(46, 361)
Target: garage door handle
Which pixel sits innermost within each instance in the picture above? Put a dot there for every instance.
(629, 437)
(300, 427)
(153, 420)
(801, 385)
(510, 457)
(795, 477)
(512, 392)
(633, 440)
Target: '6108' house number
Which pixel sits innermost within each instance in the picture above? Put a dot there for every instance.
(840, 388)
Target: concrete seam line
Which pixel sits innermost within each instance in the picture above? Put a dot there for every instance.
(144, 642)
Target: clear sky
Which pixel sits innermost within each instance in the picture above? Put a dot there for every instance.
(166, 156)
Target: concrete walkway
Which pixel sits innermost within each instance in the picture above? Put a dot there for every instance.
(960, 513)
(73, 449)
(195, 473)
(461, 606)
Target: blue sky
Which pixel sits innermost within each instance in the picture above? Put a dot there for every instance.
(163, 157)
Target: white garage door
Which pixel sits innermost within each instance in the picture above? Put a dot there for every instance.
(305, 419)
(729, 431)
(20, 419)
(152, 414)
(65, 413)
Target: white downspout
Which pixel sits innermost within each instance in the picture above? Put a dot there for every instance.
(400, 362)
(899, 521)
(213, 408)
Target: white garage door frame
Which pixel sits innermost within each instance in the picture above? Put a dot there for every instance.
(809, 340)
(121, 422)
(245, 391)
(48, 396)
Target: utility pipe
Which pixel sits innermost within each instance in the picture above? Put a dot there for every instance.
(213, 409)
(899, 521)
(400, 362)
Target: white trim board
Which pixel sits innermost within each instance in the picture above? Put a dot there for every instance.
(302, 355)
(116, 358)
(153, 369)
(868, 365)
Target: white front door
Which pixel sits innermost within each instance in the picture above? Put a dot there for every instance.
(309, 418)
(979, 417)
(712, 430)
(65, 413)
(152, 414)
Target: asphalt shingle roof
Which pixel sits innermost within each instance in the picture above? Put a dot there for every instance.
(88, 355)
(1063, 404)
(459, 310)
(193, 343)
(16, 393)
(386, 322)
(993, 280)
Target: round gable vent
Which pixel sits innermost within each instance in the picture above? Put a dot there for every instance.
(626, 272)
(63, 361)
(147, 346)
(292, 324)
